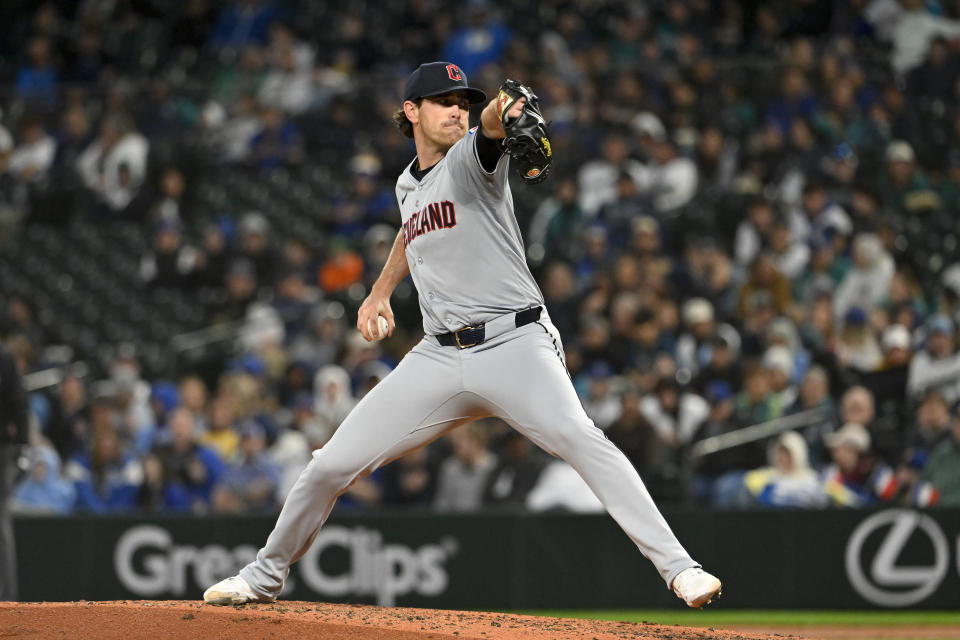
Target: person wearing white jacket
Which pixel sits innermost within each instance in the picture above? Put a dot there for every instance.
(674, 416)
(912, 33)
(868, 282)
(789, 481)
(115, 164)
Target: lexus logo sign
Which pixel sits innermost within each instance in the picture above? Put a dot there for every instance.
(881, 579)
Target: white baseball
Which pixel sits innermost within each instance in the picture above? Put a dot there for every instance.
(383, 326)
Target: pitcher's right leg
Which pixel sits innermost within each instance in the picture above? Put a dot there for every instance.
(413, 405)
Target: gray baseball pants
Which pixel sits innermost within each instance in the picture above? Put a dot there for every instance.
(518, 376)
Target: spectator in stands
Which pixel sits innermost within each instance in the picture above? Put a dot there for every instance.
(857, 346)
(795, 99)
(234, 133)
(628, 206)
(634, 435)
(751, 231)
(675, 415)
(913, 29)
(38, 78)
(557, 223)
(937, 365)
(192, 393)
(789, 481)
(905, 293)
(43, 491)
(298, 254)
(366, 203)
(19, 318)
(377, 244)
(560, 488)
(867, 284)
(463, 476)
(249, 483)
(288, 85)
(319, 344)
(856, 478)
(215, 253)
(241, 290)
(220, 434)
(333, 398)
(943, 467)
(114, 165)
(242, 23)
(857, 407)
(106, 478)
(278, 143)
(67, 432)
(131, 401)
(256, 246)
(826, 269)
(820, 217)
(905, 186)
(481, 40)
(170, 205)
(597, 179)
(410, 480)
(765, 278)
(757, 402)
(671, 182)
(518, 468)
(342, 268)
(890, 380)
(32, 159)
(194, 468)
(790, 254)
(931, 426)
(724, 364)
(693, 347)
(779, 364)
(293, 302)
(600, 402)
(171, 264)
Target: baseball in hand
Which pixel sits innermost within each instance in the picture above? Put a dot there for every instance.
(383, 326)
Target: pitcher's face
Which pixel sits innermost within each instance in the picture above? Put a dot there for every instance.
(443, 119)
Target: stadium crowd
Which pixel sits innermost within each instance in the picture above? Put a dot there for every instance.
(753, 216)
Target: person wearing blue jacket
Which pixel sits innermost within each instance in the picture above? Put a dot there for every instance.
(106, 478)
(43, 490)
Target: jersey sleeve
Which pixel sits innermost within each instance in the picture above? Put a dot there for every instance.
(468, 173)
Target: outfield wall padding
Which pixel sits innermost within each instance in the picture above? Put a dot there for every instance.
(893, 558)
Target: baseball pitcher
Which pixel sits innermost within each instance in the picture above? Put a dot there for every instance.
(489, 348)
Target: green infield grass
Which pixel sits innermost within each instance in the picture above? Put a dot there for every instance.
(774, 618)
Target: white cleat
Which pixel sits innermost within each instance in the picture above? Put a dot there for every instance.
(233, 591)
(696, 587)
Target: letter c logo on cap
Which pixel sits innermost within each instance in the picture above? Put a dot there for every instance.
(454, 72)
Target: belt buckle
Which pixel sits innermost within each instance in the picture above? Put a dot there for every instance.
(456, 335)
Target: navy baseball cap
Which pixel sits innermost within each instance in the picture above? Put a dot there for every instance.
(437, 78)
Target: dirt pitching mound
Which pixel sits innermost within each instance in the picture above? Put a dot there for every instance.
(129, 620)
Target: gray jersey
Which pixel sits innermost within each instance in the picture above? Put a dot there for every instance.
(463, 244)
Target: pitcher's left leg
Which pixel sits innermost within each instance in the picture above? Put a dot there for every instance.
(526, 382)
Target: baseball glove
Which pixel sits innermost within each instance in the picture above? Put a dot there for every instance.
(527, 137)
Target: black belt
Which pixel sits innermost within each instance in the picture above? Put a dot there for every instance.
(472, 336)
